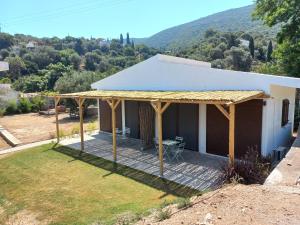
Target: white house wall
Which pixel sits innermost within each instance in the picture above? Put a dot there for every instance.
(273, 134)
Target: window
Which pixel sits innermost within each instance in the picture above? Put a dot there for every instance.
(285, 112)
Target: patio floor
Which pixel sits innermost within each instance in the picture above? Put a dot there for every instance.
(198, 171)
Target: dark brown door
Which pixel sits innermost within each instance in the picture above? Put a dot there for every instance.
(105, 117)
(248, 128)
(182, 120)
(188, 124)
(217, 131)
(132, 120)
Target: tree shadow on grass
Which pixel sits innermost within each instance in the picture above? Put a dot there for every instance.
(158, 183)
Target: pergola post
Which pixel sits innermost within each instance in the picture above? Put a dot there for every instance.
(113, 105)
(80, 103)
(56, 117)
(231, 133)
(159, 111)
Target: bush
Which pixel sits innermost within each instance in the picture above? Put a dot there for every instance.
(163, 214)
(11, 107)
(24, 105)
(37, 103)
(250, 169)
(183, 203)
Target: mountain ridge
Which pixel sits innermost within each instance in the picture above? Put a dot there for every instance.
(187, 33)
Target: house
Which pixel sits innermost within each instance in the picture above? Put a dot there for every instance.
(31, 44)
(217, 112)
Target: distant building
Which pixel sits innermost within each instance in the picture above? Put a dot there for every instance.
(104, 43)
(244, 42)
(4, 66)
(31, 45)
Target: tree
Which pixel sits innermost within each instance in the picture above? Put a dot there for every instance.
(92, 59)
(286, 13)
(6, 40)
(238, 59)
(4, 53)
(16, 67)
(270, 51)
(53, 72)
(127, 39)
(75, 60)
(251, 46)
(121, 39)
(132, 44)
(79, 48)
(32, 83)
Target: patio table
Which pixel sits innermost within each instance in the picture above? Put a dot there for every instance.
(168, 145)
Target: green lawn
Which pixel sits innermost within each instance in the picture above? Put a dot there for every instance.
(54, 183)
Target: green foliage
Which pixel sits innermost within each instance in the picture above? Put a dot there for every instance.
(5, 80)
(270, 51)
(6, 40)
(24, 105)
(163, 214)
(287, 14)
(16, 67)
(251, 46)
(11, 107)
(183, 203)
(37, 103)
(32, 83)
(4, 53)
(238, 59)
(121, 39)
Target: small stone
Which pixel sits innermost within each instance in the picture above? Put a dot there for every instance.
(219, 217)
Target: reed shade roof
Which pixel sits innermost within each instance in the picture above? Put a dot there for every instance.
(218, 97)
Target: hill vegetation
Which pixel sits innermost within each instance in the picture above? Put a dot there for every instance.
(41, 64)
(233, 20)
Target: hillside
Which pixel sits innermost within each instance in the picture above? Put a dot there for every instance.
(238, 19)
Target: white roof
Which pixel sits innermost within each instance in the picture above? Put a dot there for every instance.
(4, 66)
(168, 73)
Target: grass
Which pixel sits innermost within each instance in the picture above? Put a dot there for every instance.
(54, 183)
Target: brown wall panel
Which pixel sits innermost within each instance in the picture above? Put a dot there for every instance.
(248, 128)
(132, 120)
(105, 116)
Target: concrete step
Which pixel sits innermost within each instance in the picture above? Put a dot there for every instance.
(8, 137)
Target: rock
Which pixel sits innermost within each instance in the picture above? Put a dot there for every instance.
(219, 217)
(208, 218)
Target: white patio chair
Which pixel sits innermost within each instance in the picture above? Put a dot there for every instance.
(177, 152)
(179, 139)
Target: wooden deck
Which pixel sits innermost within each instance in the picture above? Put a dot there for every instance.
(197, 171)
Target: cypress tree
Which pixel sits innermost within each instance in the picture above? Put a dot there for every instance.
(270, 51)
(132, 44)
(121, 39)
(251, 46)
(127, 39)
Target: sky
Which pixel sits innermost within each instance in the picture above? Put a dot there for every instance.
(104, 18)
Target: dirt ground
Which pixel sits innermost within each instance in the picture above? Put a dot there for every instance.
(239, 204)
(33, 127)
(3, 144)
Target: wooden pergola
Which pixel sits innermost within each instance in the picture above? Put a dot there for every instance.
(225, 101)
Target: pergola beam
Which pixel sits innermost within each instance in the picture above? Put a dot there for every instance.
(223, 110)
(80, 103)
(159, 109)
(113, 103)
(231, 133)
(57, 99)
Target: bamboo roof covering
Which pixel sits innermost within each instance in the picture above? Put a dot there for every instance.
(208, 97)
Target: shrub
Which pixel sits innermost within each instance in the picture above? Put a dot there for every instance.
(250, 169)
(126, 218)
(183, 203)
(75, 129)
(37, 103)
(163, 214)
(91, 126)
(24, 105)
(11, 107)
